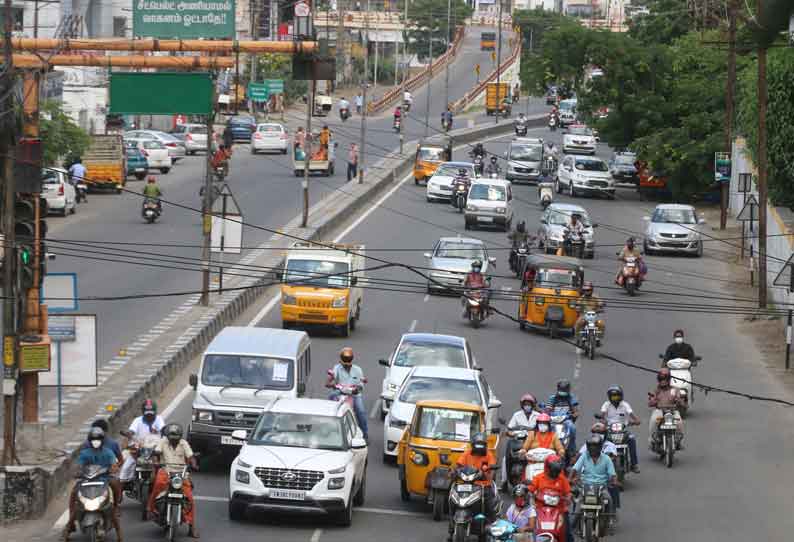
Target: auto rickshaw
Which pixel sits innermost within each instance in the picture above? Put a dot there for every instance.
(430, 153)
(550, 291)
(436, 437)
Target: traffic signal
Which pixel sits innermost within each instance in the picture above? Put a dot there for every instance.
(25, 232)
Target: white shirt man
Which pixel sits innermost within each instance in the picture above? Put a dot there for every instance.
(142, 431)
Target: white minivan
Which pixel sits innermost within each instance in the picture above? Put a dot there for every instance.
(243, 370)
(490, 202)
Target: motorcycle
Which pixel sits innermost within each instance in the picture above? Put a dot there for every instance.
(171, 503)
(397, 123)
(573, 244)
(94, 503)
(559, 415)
(545, 193)
(460, 190)
(681, 378)
(467, 513)
(406, 105)
(140, 486)
(344, 114)
(553, 123)
(478, 165)
(631, 275)
(220, 172)
(476, 307)
(81, 191)
(591, 512)
(518, 258)
(590, 336)
(520, 128)
(515, 461)
(550, 520)
(664, 439)
(151, 210)
(502, 530)
(535, 459)
(446, 125)
(618, 434)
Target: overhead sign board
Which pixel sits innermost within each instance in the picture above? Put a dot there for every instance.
(59, 292)
(185, 19)
(162, 93)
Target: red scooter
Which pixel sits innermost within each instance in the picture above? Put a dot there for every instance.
(631, 275)
(550, 525)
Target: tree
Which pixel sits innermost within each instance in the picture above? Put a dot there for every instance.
(534, 25)
(61, 137)
(428, 18)
(279, 66)
(667, 21)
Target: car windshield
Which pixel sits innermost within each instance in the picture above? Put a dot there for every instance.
(299, 431)
(49, 177)
(447, 170)
(247, 372)
(431, 153)
(422, 388)
(556, 278)
(526, 153)
(446, 424)
(318, 273)
(414, 354)
(241, 120)
(580, 130)
(567, 105)
(268, 128)
(674, 216)
(625, 160)
(563, 218)
(488, 192)
(591, 165)
(462, 251)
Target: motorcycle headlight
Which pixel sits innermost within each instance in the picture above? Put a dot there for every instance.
(471, 499)
(287, 299)
(176, 482)
(91, 505)
(591, 499)
(497, 530)
(339, 302)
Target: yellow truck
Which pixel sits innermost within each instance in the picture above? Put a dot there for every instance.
(321, 285)
(105, 162)
(496, 98)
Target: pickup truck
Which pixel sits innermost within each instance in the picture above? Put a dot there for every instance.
(105, 162)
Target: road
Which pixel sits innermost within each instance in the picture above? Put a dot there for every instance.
(731, 483)
(128, 257)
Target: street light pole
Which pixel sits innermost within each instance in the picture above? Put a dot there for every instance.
(762, 169)
(446, 64)
(362, 154)
(429, 77)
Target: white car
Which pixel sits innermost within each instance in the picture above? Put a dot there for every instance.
(306, 456)
(584, 175)
(439, 384)
(418, 350)
(58, 191)
(175, 145)
(674, 228)
(579, 139)
(156, 154)
(489, 203)
(439, 185)
(269, 136)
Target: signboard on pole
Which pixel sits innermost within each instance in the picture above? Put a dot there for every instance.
(275, 86)
(750, 210)
(190, 19)
(77, 357)
(722, 167)
(258, 92)
(226, 236)
(163, 93)
(59, 292)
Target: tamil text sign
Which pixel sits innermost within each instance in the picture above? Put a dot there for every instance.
(185, 19)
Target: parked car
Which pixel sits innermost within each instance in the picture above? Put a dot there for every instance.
(579, 139)
(674, 228)
(156, 154)
(306, 456)
(269, 136)
(194, 137)
(176, 147)
(420, 350)
(585, 175)
(137, 165)
(242, 127)
(439, 384)
(439, 185)
(451, 260)
(58, 191)
(552, 226)
(490, 203)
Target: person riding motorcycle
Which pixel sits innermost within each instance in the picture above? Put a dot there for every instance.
(475, 280)
(664, 397)
(574, 229)
(345, 373)
(616, 409)
(398, 113)
(408, 100)
(543, 437)
(599, 430)
(517, 237)
(523, 419)
(630, 251)
(149, 423)
(96, 454)
(520, 123)
(553, 478)
(493, 167)
(522, 514)
(344, 108)
(478, 455)
(478, 150)
(679, 349)
(596, 467)
(174, 454)
(564, 398)
(588, 302)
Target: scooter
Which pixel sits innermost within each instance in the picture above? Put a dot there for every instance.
(171, 503)
(140, 486)
(590, 336)
(467, 513)
(344, 114)
(545, 193)
(515, 461)
(478, 165)
(81, 191)
(559, 415)
(550, 520)
(573, 245)
(535, 458)
(94, 503)
(630, 275)
(396, 125)
(553, 124)
(518, 258)
(681, 378)
(460, 190)
(151, 210)
(664, 438)
(476, 307)
(520, 128)
(618, 434)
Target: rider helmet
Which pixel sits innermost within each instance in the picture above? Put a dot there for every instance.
(173, 433)
(149, 407)
(553, 466)
(476, 266)
(587, 288)
(563, 388)
(630, 242)
(595, 444)
(521, 227)
(528, 398)
(615, 395)
(346, 355)
(463, 172)
(479, 444)
(96, 436)
(543, 423)
(520, 495)
(493, 159)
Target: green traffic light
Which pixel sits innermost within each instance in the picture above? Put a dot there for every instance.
(25, 256)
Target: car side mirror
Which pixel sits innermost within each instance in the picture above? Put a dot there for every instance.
(301, 388)
(494, 403)
(358, 443)
(492, 260)
(240, 434)
(383, 362)
(427, 255)
(193, 381)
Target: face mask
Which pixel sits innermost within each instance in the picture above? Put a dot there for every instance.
(615, 399)
(679, 340)
(527, 409)
(543, 427)
(96, 444)
(562, 393)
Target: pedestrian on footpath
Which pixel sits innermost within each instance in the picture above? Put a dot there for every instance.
(359, 103)
(352, 162)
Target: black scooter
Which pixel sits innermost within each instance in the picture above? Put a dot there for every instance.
(467, 508)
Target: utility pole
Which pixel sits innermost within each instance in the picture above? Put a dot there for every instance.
(206, 207)
(429, 77)
(730, 91)
(499, 64)
(307, 149)
(340, 49)
(364, 105)
(762, 168)
(254, 36)
(446, 64)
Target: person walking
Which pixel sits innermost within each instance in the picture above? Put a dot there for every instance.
(352, 162)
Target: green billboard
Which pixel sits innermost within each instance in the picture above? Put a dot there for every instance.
(160, 93)
(183, 19)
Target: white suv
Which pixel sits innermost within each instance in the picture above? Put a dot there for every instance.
(303, 456)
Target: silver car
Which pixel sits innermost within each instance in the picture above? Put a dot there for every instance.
(552, 227)
(674, 228)
(524, 159)
(451, 260)
(194, 137)
(176, 147)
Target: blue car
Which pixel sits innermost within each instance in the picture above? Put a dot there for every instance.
(242, 127)
(137, 165)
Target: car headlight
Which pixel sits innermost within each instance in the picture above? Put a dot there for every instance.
(340, 470)
(242, 477)
(501, 210)
(336, 483)
(287, 299)
(203, 416)
(339, 302)
(471, 208)
(397, 423)
(572, 303)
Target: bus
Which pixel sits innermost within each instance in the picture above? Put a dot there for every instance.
(487, 41)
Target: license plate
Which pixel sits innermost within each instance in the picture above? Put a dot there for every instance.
(288, 494)
(591, 507)
(139, 169)
(229, 440)
(174, 495)
(547, 525)
(666, 427)
(485, 218)
(467, 488)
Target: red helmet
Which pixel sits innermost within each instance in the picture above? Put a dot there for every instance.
(553, 466)
(151, 179)
(543, 418)
(528, 398)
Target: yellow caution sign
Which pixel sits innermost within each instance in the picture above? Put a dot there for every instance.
(207, 223)
(477, 69)
(493, 56)
(8, 351)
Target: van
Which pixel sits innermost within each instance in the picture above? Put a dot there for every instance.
(490, 202)
(524, 159)
(242, 370)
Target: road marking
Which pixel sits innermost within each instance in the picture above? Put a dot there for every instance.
(316, 535)
(384, 511)
(168, 410)
(374, 410)
(427, 297)
(412, 327)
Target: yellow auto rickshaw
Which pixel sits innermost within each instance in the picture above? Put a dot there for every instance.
(438, 434)
(430, 153)
(550, 291)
